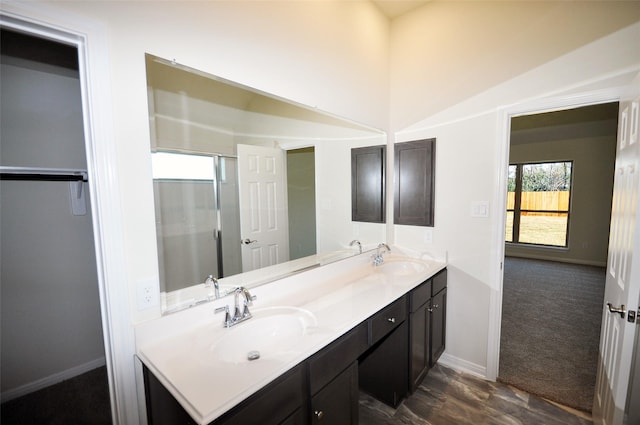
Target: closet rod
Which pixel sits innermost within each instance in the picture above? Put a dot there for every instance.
(49, 174)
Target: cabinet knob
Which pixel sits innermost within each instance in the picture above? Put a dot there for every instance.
(436, 306)
(391, 320)
(319, 414)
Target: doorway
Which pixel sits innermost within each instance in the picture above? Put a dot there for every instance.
(556, 251)
(51, 314)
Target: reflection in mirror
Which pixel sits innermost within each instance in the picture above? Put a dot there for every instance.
(248, 187)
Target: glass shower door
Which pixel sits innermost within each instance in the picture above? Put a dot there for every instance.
(186, 219)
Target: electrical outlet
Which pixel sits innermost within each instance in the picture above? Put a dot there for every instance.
(147, 294)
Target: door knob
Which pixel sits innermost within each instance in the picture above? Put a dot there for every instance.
(247, 241)
(621, 311)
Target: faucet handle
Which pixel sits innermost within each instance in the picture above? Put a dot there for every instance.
(227, 317)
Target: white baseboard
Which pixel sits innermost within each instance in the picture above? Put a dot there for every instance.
(51, 379)
(462, 365)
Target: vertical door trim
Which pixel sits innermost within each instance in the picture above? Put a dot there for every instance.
(504, 115)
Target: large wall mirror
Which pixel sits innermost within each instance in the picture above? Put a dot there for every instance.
(248, 187)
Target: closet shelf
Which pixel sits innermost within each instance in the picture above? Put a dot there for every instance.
(49, 174)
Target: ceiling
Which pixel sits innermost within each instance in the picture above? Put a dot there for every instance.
(578, 123)
(395, 8)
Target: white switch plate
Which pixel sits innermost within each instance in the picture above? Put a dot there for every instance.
(480, 209)
(428, 236)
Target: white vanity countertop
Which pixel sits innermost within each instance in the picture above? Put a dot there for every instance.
(182, 349)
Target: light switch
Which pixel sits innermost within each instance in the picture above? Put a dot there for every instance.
(480, 209)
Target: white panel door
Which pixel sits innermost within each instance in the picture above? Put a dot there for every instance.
(264, 224)
(623, 273)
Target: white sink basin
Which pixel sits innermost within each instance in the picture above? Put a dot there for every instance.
(270, 333)
(404, 267)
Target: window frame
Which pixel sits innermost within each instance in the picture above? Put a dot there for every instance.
(517, 210)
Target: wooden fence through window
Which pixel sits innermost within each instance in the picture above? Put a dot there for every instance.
(541, 201)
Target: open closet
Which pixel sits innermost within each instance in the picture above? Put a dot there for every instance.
(51, 329)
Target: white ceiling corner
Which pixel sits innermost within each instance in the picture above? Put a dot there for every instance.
(394, 8)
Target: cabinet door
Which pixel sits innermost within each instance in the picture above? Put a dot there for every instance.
(367, 184)
(337, 403)
(414, 182)
(420, 324)
(438, 325)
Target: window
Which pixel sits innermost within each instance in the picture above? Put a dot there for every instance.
(538, 197)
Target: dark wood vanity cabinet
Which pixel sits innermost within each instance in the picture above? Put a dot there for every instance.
(386, 355)
(427, 326)
(337, 402)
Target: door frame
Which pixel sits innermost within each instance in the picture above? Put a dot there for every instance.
(119, 342)
(504, 115)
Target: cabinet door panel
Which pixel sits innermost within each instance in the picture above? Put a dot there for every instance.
(367, 184)
(438, 325)
(419, 360)
(414, 182)
(337, 403)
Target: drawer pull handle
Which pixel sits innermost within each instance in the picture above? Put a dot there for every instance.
(319, 414)
(391, 320)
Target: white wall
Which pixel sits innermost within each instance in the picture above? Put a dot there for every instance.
(470, 134)
(303, 51)
(51, 328)
(446, 52)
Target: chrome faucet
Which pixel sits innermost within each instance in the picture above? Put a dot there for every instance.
(212, 281)
(241, 313)
(354, 242)
(380, 251)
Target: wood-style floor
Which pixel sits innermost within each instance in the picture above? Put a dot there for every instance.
(447, 397)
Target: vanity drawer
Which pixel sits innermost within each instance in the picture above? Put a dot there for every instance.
(439, 282)
(387, 319)
(328, 363)
(420, 295)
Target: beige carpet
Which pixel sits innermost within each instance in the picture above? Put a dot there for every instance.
(551, 315)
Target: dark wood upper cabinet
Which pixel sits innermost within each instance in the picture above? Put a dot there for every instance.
(368, 184)
(414, 164)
